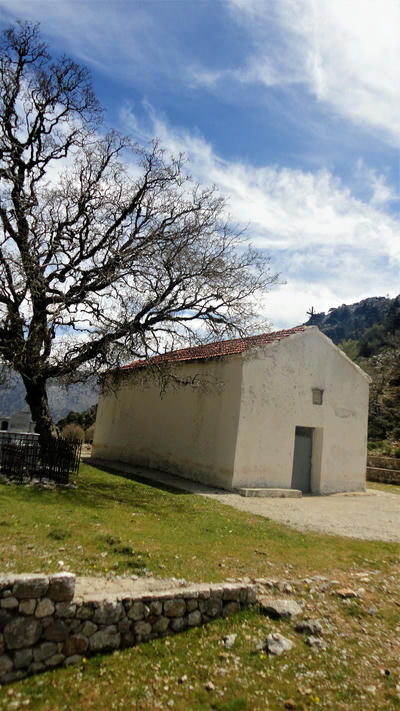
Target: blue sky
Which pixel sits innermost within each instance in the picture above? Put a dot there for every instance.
(291, 107)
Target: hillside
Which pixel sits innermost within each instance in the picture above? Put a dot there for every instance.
(369, 333)
(77, 397)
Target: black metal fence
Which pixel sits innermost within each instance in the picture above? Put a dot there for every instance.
(24, 457)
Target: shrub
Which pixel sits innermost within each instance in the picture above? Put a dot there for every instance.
(72, 432)
(89, 434)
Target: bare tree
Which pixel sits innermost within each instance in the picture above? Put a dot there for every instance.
(108, 250)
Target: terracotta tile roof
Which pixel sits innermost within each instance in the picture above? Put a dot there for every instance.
(218, 349)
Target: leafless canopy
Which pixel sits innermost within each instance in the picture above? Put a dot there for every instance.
(109, 251)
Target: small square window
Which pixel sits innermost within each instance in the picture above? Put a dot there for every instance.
(317, 395)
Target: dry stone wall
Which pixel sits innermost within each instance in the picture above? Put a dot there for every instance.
(43, 624)
(383, 469)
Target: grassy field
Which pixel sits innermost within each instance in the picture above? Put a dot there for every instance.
(113, 526)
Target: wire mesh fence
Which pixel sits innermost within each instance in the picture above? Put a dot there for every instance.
(24, 457)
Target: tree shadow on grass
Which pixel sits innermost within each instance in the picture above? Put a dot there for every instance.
(144, 479)
(98, 494)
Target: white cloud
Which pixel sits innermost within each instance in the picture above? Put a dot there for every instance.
(374, 184)
(330, 246)
(113, 37)
(347, 53)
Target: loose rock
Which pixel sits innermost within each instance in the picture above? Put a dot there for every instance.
(346, 593)
(309, 626)
(229, 640)
(277, 608)
(277, 644)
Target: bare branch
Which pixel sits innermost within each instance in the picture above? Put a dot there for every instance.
(109, 250)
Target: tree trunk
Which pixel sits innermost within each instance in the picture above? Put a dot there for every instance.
(36, 397)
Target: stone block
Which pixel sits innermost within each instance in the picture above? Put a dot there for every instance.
(243, 595)
(55, 660)
(88, 628)
(191, 605)
(47, 621)
(6, 582)
(251, 595)
(161, 624)
(65, 609)
(5, 664)
(194, 618)
(61, 587)
(216, 593)
(74, 659)
(191, 595)
(30, 586)
(204, 593)
(214, 607)
(84, 612)
(231, 593)
(175, 607)
(9, 603)
(76, 644)
(178, 624)
(124, 625)
(56, 632)
(46, 650)
(142, 628)
(23, 658)
(22, 632)
(230, 608)
(4, 618)
(155, 607)
(138, 611)
(44, 608)
(27, 607)
(105, 639)
(76, 625)
(108, 613)
(13, 676)
(36, 667)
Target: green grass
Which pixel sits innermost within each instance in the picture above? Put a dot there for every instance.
(113, 525)
(389, 488)
(110, 523)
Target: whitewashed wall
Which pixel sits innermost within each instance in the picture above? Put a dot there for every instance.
(276, 397)
(241, 430)
(188, 430)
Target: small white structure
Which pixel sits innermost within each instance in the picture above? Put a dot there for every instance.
(286, 410)
(19, 421)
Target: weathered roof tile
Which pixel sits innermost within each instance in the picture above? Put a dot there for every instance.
(219, 348)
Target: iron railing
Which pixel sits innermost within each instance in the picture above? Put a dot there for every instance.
(24, 457)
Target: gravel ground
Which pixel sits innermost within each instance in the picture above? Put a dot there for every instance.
(371, 515)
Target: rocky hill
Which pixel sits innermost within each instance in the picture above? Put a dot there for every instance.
(369, 333)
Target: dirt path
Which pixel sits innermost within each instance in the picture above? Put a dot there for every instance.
(371, 515)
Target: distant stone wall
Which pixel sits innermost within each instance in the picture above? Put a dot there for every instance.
(383, 469)
(385, 476)
(383, 462)
(43, 626)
